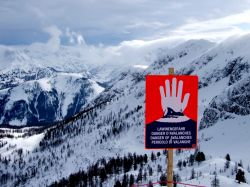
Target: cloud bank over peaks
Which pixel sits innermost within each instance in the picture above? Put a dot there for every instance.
(74, 37)
(132, 52)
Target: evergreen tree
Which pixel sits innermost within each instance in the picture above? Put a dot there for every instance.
(139, 177)
(227, 164)
(131, 180)
(164, 152)
(145, 175)
(135, 166)
(158, 154)
(176, 178)
(200, 156)
(103, 174)
(192, 174)
(150, 184)
(191, 160)
(240, 164)
(232, 171)
(179, 164)
(20, 152)
(118, 184)
(163, 180)
(127, 164)
(153, 156)
(240, 176)
(145, 158)
(184, 163)
(215, 182)
(150, 171)
(159, 168)
(125, 181)
(228, 157)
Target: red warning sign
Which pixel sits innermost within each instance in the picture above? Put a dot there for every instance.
(171, 111)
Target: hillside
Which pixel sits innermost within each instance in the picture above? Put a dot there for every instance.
(115, 126)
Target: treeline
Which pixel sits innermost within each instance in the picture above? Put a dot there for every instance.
(98, 173)
(116, 121)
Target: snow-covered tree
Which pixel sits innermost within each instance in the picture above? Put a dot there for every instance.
(215, 182)
(192, 174)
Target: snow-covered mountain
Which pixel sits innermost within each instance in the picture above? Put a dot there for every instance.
(46, 100)
(112, 126)
(40, 86)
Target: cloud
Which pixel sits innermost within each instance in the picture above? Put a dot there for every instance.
(54, 42)
(215, 29)
(74, 37)
(108, 21)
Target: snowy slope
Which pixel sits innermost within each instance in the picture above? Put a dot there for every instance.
(46, 100)
(39, 86)
(116, 127)
(38, 64)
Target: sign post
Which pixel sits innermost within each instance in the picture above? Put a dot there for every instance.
(171, 114)
(170, 152)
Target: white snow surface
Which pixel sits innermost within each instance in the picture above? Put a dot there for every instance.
(45, 84)
(27, 143)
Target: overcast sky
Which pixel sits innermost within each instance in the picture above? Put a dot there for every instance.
(112, 21)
